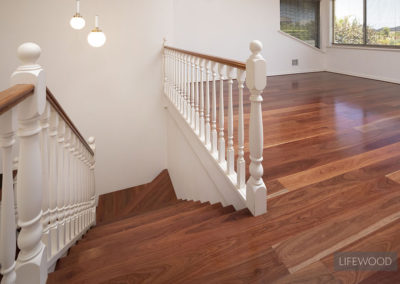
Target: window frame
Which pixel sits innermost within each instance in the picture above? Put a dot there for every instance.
(318, 20)
(365, 40)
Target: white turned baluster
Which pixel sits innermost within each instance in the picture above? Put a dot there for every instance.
(31, 264)
(44, 138)
(60, 183)
(168, 52)
(165, 64)
(185, 83)
(53, 181)
(67, 182)
(15, 163)
(79, 187)
(182, 64)
(241, 164)
(72, 185)
(82, 187)
(171, 56)
(197, 115)
(188, 88)
(207, 106)
(214, 134)
(172, 76)
(178, 74)
(221, 138)
(256, 192)
(92, 145)
(193, 95)
(176, 80)
(202, 121)
(230, 151)
(85, 187)
(8, 227)
(76, 187)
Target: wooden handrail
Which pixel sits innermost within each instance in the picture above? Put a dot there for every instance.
(229, 62)
(14, 95)
(56, 105)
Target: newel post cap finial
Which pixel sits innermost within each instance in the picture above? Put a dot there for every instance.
(29, 53)
(91, 140)
(256, 47)
(256, 68)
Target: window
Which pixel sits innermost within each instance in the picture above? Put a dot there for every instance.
(367, 22)
(300, 18)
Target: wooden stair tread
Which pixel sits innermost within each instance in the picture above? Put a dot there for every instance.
(78, 271)
(148, 217)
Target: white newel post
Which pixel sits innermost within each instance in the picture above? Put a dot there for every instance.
(256, 192)
(92, 145)
(8, 227)
(31, 264)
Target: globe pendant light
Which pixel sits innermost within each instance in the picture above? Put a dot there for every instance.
(77, 22)
(96, 38)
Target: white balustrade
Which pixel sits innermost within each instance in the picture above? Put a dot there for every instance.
(198, 90)
(54, 184)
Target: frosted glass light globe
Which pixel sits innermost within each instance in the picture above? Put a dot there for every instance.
(96, 38)
(77, 22)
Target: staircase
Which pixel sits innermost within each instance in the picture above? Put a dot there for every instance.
(167, 242)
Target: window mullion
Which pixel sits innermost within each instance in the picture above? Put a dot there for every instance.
(365, 23)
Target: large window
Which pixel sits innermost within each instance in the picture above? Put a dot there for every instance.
(367, 22)
(300, 18)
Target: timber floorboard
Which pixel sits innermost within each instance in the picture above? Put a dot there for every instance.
(331, 166)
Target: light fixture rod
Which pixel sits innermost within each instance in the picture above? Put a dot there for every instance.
(96, 21)
(78, 6)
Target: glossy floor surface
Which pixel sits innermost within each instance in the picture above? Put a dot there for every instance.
(332, 168)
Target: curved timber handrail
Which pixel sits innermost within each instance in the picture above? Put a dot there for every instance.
(14, 95)
(229, 62)
(56, 105)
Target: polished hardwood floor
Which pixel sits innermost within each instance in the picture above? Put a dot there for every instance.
(331, 165)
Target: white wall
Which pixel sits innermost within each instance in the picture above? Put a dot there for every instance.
(226, 27)
(113, 92)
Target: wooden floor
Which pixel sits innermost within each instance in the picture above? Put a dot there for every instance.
(332, 168)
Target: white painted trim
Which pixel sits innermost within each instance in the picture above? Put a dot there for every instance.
(225, 184)
(372, 48)
(272, 74)
(300, 41)
(365, 76)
